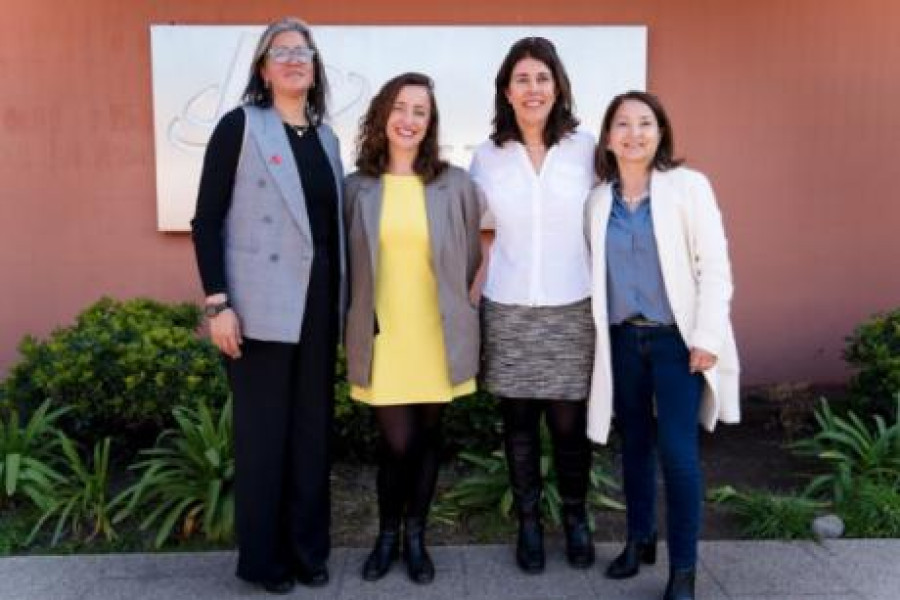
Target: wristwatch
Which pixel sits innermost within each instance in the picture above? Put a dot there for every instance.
(213, 310)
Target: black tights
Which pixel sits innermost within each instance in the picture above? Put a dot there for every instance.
(409, 446)
(567, 422)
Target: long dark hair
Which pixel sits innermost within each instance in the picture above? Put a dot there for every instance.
(372, 143)
(561, 121)
(257, 94)
(605, 164)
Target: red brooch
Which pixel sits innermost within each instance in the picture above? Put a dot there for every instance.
(276, 159)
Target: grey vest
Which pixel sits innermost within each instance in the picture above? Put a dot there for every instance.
(268, 242)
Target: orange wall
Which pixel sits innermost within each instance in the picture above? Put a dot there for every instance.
(790, 107)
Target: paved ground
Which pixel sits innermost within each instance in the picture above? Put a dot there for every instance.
(840, 570)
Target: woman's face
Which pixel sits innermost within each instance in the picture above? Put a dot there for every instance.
(531, 92)
(288, 67)
(634, 133)
(408, 120)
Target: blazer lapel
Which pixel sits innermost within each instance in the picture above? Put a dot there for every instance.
(370, 202)
(436, 213)
(666, 227)
(598, 227)
(276, 149)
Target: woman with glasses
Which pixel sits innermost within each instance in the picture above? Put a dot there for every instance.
(536, 171)
(665, 353)
(412, 332)
(269, 243)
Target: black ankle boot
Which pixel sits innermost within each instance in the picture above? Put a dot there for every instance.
(579, 542)
(418, 564)
(530, 546)
(628, 563)
(681, 585)
(383, 555)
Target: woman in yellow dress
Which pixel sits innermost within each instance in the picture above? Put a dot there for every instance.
(412, 334)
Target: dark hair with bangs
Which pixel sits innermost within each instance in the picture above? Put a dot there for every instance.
(372, 144)
(605, 164)
(258, 94)
(561, 121)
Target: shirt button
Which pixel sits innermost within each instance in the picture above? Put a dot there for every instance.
(273, 257)
(261, 183)
(267, 219)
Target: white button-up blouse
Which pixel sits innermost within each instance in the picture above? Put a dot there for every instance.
(538, 257)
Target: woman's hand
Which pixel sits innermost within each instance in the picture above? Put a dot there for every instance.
(225, 333)
(701, 360)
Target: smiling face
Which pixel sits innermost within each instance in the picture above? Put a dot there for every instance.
(634, 134)
(294, 78)
(408, 120)
(531, 92)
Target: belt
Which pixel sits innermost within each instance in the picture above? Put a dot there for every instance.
(644, 322)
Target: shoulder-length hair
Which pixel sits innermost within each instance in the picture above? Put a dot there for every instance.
(605, 164)
(257, 94)
(372, 144)
(561, 121)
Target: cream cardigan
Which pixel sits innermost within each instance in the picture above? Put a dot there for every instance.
(693, 256)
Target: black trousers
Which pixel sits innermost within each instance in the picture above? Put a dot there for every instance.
(283, 413)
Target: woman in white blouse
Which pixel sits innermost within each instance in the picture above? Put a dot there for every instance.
(536, 171)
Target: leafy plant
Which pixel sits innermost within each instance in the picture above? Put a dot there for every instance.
(120, 368)
(852, 450)
(355, 434)
(26, 454)
(472, 423)
(187, 480)
(872, 510)
(770, 516)
(488, 489)
(873, 350)
(79, 500)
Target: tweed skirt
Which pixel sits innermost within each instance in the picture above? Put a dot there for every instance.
(544, 352)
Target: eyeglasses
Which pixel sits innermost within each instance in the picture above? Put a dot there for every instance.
(283, 55)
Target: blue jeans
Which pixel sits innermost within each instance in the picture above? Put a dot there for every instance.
(652, 362)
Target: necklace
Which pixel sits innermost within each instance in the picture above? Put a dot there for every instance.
(300, 130)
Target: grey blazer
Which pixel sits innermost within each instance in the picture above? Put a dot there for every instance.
(453, 208)
(267, 237)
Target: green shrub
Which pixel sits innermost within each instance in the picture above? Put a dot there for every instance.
(872, 509)
(27, 454)
(187, 479)
(874, 352)
(488, 488)
(120, 368)
(79, 501)
(355, 434)
(766, 516)
(852, 450)
(472, 423)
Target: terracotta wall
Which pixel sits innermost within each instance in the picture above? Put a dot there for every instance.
(789, 106)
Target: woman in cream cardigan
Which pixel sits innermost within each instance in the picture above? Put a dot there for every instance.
(665, 354)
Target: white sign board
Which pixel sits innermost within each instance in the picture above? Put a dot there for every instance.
(199, 73)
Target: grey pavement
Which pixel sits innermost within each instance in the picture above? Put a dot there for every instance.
(739, 570)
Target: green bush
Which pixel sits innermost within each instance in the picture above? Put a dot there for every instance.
(488, 488)
(872, 510)
(766, 516)
(852, 450)
(874, 352)
(27, 454)
(355, 434)
(79, 502)
(472, 423)
(187, 479)
(120, 369)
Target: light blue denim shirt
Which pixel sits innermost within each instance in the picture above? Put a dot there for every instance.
(634, 283)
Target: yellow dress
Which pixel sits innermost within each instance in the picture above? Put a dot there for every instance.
(409, 363)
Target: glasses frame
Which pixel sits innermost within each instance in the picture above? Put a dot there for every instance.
(282, 55)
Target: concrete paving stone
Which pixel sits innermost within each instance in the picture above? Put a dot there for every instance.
(871, 567)
(774, 568)
(449, 579)
(491, 573)
(650, 582)
(795, 596)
